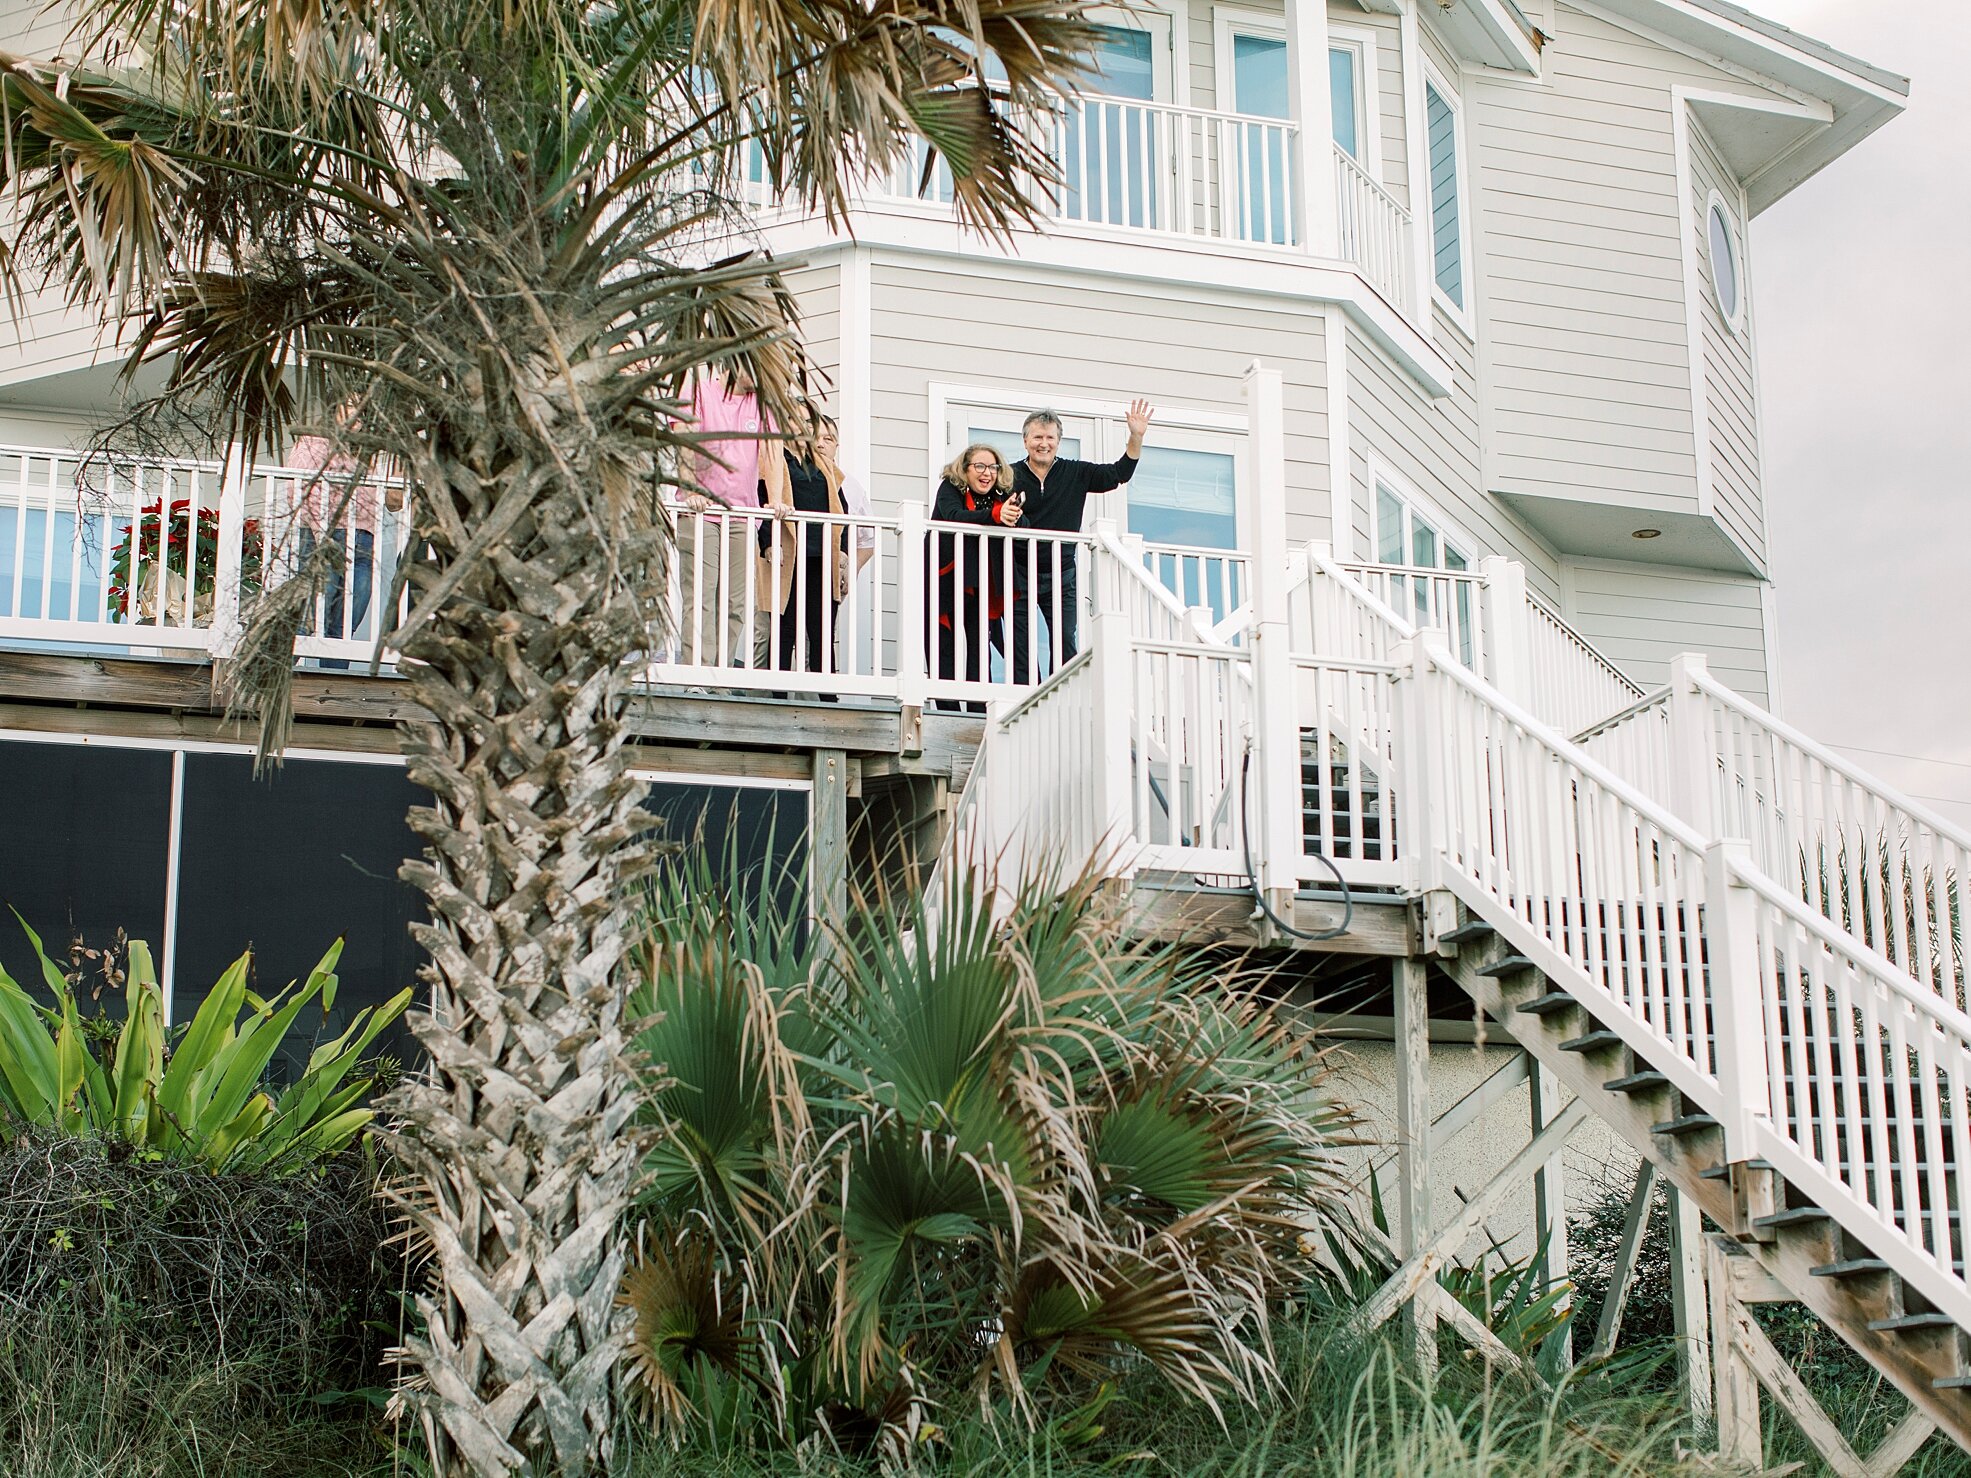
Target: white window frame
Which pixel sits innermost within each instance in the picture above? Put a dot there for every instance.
(1463, 315)
(1368, 92)
(1735, 244)
(1167, 81)
(1450, 533)
(1231, 20)
(1183, 428)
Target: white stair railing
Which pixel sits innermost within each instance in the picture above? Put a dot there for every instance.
(1570, 683)
(1882, 867)
(1814, 1051)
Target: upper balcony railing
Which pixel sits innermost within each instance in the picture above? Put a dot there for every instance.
(1157, 170)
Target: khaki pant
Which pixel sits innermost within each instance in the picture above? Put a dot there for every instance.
(712, 615)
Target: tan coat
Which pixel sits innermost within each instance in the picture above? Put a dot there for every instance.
(780, 494)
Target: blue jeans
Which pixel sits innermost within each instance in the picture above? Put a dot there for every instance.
(360, 572)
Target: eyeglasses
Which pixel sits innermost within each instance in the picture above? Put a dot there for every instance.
(981, 466)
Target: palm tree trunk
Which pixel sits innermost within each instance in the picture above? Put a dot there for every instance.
(517, 1140)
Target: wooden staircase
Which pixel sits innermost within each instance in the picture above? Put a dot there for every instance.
(1922, 1351)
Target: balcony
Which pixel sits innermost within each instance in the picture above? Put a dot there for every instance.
(1155, 172)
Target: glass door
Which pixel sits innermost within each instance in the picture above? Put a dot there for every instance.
(1253, 79)
(1114, 147)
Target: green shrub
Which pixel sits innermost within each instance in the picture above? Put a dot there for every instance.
(199, 1098)
(151, 1307)
(972, 1163)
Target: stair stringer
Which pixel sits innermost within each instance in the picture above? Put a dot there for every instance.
(1684, 1158)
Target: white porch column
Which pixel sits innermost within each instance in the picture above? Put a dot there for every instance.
(1275, 769)
(226, 624)
(1313, 115)
(1504, 651)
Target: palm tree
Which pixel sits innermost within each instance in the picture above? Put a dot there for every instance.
(988, 1162)
(482, 242)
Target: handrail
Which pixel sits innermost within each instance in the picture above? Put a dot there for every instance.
(1831, 936)
(1654, 811)
(1326, 563)
(1349, 161)
(1594, 652)
(1848, 771)
(1621, 716)
(1035, 695)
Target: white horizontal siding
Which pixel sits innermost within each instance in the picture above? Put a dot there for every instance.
(1077, 339)
(1432, 446)
(819, 292)
(1580, 247)
(1730, 402)
(1643, 615)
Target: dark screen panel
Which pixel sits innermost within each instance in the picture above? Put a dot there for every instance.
(84, 836)
(754, 838)
(285, 865)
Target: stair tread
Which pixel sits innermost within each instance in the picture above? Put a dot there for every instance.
(1684, 1124)
(1636, 1082)
(1912, 1321)
(1952, 1383)
(1470, 929)
(1850, 1267)
(1593, 1042)
(1723, 1172)
(1552, 1001)
(1506, 965)
(1793, 1216)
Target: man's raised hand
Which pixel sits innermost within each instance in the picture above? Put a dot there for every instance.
(1138, 420)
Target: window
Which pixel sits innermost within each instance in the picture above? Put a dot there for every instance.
(1446, 221)
(1185, 491)
(1407, 536)
(1345, 98)
(1253, 80)
(1111, 158)
(1725, 277)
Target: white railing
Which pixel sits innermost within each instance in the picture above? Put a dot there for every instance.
(288, 512)
(1869, 1083)
(1885, 869)
(1190, 709)
(840, 604)
(1214, 583)
(114, 551)
(1450, 601)
(1634, 742)
(1345, 714)
(1604, 888)
(1570, 684)
(1131, 165)
(1374, 230)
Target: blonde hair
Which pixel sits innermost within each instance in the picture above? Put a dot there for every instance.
(956, 476)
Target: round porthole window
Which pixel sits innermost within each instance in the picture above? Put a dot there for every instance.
(1724, 260)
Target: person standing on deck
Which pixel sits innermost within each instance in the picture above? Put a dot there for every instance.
(1056, 490)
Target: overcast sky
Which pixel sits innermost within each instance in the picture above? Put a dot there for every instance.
(1862, 281)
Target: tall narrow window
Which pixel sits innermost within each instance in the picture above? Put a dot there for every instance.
(1446, 231)
(1345, 98)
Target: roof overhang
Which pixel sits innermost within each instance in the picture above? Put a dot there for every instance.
(1838, 100)
(1492, 33)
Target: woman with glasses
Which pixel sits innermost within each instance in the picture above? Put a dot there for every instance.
(977, 489)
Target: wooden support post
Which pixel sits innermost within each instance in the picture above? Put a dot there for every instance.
(1736, 1385)
(1422, 1265)
(1687, 1301)
(1623, 1276)
(1550, 1191)
(1413, 1130)
(828, 840)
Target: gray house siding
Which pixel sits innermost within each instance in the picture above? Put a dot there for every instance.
(1643, 615)
(1580, 248)
(1730, 400)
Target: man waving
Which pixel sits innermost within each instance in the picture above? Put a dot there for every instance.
(1056, 490)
